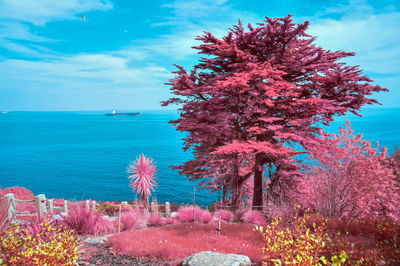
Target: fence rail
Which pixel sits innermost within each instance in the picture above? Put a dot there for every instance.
(43, 206)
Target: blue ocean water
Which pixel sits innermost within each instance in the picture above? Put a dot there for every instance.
(84, 155)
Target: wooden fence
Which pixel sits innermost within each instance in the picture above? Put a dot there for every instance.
(43, 206)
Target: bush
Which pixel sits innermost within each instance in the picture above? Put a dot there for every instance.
(295, 244)
(253, 217)
(155, 220)
(135, 219)
(185, 214)
(111, 208)
(4, 219)
(225, 215)
(86, 222)
(49, 245)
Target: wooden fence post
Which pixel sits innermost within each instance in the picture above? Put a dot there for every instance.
(154, 207)
(66, 206)
(167, 209)
(51, 207)
(11, 206)
(40, 203)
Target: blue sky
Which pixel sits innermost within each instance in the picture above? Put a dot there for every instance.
(121, 55)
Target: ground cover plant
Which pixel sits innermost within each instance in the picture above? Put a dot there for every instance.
(175, 242)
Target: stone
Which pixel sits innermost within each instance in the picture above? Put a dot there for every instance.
(97, 240)
(208, 258)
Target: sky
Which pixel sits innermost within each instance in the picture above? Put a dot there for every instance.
(122, 54)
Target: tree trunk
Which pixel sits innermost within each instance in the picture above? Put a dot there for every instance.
(225, 193)
(258, 192)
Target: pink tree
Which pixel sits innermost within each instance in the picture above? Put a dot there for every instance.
(255, 93)
(142, 177)
(351, 178)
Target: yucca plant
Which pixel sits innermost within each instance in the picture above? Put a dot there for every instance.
(142, 177)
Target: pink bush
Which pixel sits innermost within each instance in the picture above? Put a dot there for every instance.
(21, 193)
(239, 214)
(185, 214)
(135, 219)
(170, 220)
(203, 216)
(253, 217)
(86, 222)
(225, 215)
(4, 219)
(155, 220)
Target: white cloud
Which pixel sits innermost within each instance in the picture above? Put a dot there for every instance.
(374, 37)
(39, 12)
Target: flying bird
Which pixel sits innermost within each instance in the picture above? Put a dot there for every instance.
(83, 17)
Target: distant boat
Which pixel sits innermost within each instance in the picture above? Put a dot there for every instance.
(114, 113)
(5, 112)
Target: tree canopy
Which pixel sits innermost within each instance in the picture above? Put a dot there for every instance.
(254, 93)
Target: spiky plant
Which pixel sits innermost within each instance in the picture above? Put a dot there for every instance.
(142, 176)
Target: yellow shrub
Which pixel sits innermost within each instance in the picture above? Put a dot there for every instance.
(51, 245)
(296, 244)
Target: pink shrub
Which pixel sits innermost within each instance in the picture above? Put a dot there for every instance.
(179, 241)
(253, 217)
(203, 216)
(4, 219)
(225, 215)
(21, 193)
(155, 220)
(86, 222)
(142, 178)
(170, 220)
(239, 214)
(135, 219)
(185, 214)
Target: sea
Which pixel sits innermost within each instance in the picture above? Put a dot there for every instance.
(83, 155)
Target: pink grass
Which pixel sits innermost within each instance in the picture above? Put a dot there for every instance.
(179, 241)
(86, 222)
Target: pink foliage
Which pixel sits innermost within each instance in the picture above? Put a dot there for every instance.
(155, 220)
(86, 222)
(239, 214)
(170, 220)
(21, 193)
(255, 90)
(253, 217)
(185, 214)
(225, 215)
(4, 219)
(179, 241)
(351, 178)
(203, 216)
(133, 219)
(142, 176)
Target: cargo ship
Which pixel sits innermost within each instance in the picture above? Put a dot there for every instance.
(114, 113)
